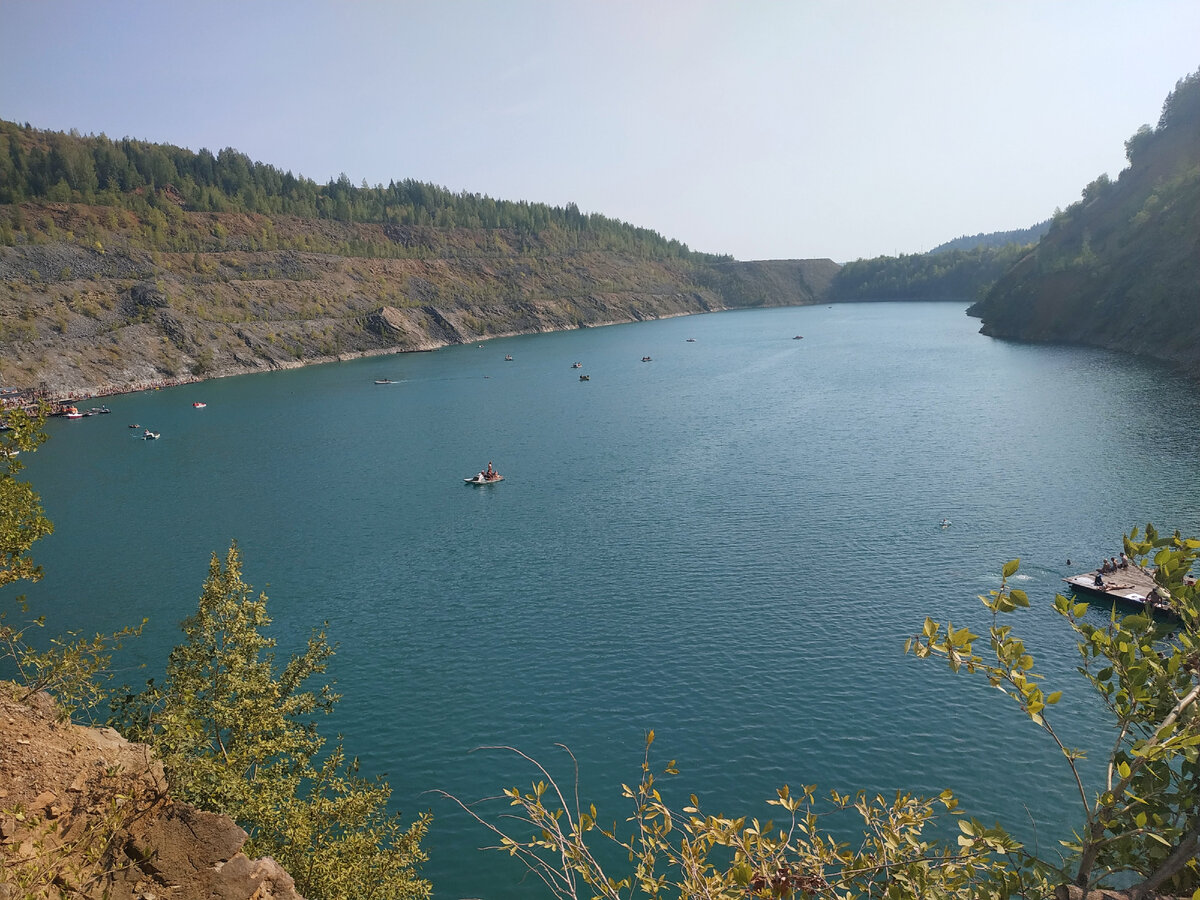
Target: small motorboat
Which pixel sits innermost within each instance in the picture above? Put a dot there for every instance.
(149, 435)
(508, 359)
(71, 412)
(483, 478)
(384, 381)
(199, 405)
(135, 425)
(798, 337)
(691, 340)
(645, 359)
(585, 377)
(577, 365)
(945, 523)
(487, 476)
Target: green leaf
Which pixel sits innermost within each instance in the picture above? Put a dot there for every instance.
(1010, 568)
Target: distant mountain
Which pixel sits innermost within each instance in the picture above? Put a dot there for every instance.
(996, 239)
(1121, 267)
(125, 263)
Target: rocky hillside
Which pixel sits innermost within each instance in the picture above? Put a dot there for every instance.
(86, 306)
(1121, 268)
(86, 814)
(125, 263)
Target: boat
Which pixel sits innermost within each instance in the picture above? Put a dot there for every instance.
(945, 523)
(483, 479)
(508, 359)
(98, 410)
(487, 476)
(691, 340)
(199, 405)
(798, 337)
(149, 435)
(645, 359)
(135, 425)
(71, 412)
(585, 377)
(384, 381)
(1132, 586)
(577, 365)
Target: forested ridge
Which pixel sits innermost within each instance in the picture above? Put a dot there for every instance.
(1029, 235)
(125, 263)
(946, 275)
(1120, 268)
(142, 176)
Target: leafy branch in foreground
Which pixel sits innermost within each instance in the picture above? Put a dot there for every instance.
(686, 853)
(72, 668)
(1143, 824)
(236, 736)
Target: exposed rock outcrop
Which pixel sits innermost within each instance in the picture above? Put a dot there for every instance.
(112, 315)
(85, 813)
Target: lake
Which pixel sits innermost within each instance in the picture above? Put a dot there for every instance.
(727, 544)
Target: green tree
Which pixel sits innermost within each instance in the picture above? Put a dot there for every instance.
(22, 520)
(72, 668)
(236, 735)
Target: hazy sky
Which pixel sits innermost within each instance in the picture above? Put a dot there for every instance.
(810, 128)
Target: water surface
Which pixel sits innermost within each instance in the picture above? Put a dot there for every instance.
(728, 545)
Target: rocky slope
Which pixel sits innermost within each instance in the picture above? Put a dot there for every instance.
(86, 814)
(1121, 268)
(86, 308)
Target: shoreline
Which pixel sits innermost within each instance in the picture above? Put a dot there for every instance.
(28, 398)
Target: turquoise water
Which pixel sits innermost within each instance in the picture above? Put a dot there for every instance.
(728, 545)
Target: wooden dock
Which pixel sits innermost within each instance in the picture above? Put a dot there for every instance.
(1133, 586)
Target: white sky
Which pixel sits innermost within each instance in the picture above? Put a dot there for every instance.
(766, 130)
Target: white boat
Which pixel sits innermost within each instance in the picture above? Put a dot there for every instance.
(149, 435)
(199, 405)
(482, 478)
(577, 365)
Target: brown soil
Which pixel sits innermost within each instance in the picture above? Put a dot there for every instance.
(86, 814)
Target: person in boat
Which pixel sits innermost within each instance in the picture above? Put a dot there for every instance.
(1099, 580)
(1124, 563)
(490, 473)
